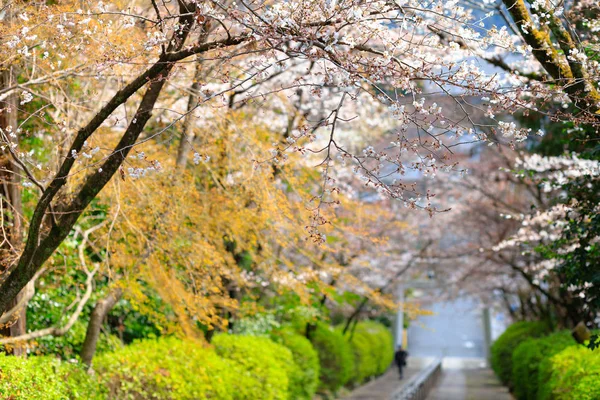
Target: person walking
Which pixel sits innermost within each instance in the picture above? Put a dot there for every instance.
(400, 358)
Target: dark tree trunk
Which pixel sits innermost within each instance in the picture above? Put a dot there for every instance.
(11, 234)
(103, 307)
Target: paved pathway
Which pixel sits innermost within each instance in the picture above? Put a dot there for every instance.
(469, 384)
(383, 387)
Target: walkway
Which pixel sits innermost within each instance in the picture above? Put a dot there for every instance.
(383, 387)
(469, 384)
(461, 379)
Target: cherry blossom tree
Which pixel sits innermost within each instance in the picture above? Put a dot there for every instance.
(330, 74)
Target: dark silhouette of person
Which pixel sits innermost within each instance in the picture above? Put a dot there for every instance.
(400, 358)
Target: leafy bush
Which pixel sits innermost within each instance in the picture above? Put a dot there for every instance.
(45, 378)
(373, 349)
(572, 374)
(168, 368)
(267, 363)
(503, 347)
(383, 343)
(526, 361)
(305, 375)
(335, 357)
(365, 358)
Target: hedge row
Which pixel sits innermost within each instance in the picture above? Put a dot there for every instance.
(526, 361)
(351, 359)
(572, 374)
(285, 366)
(503, 348)
(373, 348)
(304, 378)
(552, 367)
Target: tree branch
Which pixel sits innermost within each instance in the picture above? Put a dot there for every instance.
(56, 330)
(38, 249)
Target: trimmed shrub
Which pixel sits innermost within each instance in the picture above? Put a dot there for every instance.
(45, 378)
(335, 357)
(365, 357)
(572, 374)
(503, 347)
(383, 343)
(165, 368)
(267, 363)
(169, 368)
(526, 361)
(304, 378)
(373, 349)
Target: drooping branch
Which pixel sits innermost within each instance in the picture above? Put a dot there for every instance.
(531, 281)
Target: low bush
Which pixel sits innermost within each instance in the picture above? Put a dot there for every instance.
(526, 360)
(304, 379)
(169, 368)
(365, 358)
(265, 362)
(45, 378)
(383, 341)
(373, 349)
(503, 347)
(572, 374)
(335, 357)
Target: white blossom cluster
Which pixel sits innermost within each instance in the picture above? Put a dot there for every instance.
(558, 171)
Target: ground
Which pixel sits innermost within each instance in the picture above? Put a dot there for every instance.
(454, 384)
(469, 384)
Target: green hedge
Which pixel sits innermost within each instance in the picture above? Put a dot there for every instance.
(383, 343)
(305, 377)
(45, 378)
(373, 349)
(365, 359)
(503, 347)
(267, 363)
(238, 368)
(526, 360)
(572, 374)
(335, 357)
(169, 368)
(235, 367)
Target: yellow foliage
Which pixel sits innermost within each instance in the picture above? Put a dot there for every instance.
(203, 236)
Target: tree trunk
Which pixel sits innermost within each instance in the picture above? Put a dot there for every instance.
(11, 210)
(103, 307)
(187, 134)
